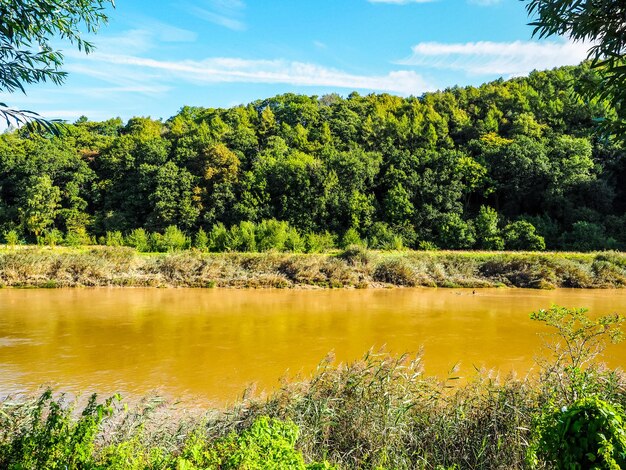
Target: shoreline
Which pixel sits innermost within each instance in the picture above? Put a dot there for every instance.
(99, 266)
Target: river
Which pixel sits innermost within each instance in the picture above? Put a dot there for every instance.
(210, 344)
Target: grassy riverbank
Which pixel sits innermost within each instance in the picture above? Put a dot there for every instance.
(377, 413)
(354, 267)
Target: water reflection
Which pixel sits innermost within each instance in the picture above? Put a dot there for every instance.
(213, 343)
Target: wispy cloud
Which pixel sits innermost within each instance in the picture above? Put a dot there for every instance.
(168, 33)
(236, 70)
(226, 13)
(496, 58)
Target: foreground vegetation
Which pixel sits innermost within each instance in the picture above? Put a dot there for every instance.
(508, 165)
(352, 267)
(380, 412)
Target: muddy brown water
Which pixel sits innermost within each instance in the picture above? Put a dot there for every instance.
(211, 344)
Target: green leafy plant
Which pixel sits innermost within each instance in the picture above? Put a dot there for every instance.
(201, 240)
(580, 337)
(11, 237)
(267, 444)
(589, 434)
(52, 439)
(138, 239)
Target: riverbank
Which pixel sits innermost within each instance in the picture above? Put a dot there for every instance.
(353, 268)
(377, 413)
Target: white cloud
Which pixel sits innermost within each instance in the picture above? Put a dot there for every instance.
(226, 13)
(497, 58)
(133, 70)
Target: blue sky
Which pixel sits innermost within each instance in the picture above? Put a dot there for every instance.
(156, 56)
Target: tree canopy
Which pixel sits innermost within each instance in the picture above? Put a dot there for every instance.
(511, 164)
(27, 28)
(600, 23)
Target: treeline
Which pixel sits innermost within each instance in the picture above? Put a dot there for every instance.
(509, 165)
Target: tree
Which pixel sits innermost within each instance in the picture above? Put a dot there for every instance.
(521, 235)
(487, 231)
(27, 28)
(39, 205)
(597, 22)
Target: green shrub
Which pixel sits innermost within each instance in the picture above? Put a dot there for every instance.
(219, 239)
(11, 237)
(174, 239)
(319, 242)
(587, 236)
(294, 242)
(588, 434)
(243, 237)
(271, 235)
(521, 235)
(114, 239)
(155, 241)
(201, 240)
(454, 232)
(77, 237)
(268, 443)
(487, 231)
(52, 237)
(547, 228)
(427, 246)
(351, 237)
(52, 439)
(382, 237)
(138, 239)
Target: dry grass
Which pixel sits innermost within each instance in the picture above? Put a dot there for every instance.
(354, 267)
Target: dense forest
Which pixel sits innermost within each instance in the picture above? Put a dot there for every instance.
(511, 164)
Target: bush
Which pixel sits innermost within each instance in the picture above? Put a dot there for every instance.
(294, 241)
(351, 237)
(201, 240)
(114, 239)
(174, 239)
(487, 231)
(355, 255)
(427, 246)
(77, 237)
(11, 237)
(587, 236)
(588, 434)
(455, 233)
(521, 235)
(138, 239)
(319, 242)
(219, 239)
(268, 443)
(52, 237)
(52, 439)
(271, 235)
(382, 237)
(243, 237)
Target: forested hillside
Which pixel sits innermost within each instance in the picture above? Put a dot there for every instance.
(511, 164)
